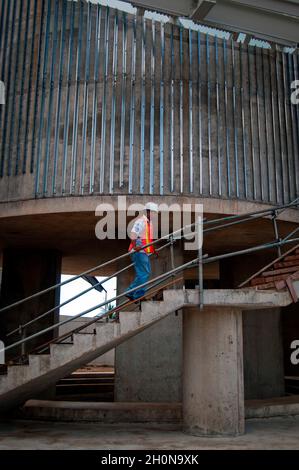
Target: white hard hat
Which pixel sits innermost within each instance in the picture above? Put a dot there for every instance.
(151, 206)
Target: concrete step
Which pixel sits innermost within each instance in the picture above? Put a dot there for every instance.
(112, 412)
(140, 412)
(129, 321)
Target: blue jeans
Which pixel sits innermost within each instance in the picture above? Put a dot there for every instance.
(142, 267)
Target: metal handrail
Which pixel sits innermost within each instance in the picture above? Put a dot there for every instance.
(165, 237)
(113, 260)
(205, 260)
(30, 322)
(78, 315)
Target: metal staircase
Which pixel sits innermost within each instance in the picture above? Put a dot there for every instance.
(34, 372)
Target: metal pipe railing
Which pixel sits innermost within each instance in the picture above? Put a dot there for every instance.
(279, 209)
(238, 219)
(43, 315)
(63, 322)
(165, 237)
(205, 260)
(67, 281)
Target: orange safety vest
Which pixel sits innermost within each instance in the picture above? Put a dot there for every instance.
(148, 238)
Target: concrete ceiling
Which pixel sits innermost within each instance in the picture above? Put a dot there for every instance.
(271, 20)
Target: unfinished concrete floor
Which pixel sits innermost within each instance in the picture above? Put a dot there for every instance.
(267, 433)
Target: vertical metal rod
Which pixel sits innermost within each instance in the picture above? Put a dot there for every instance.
(132, 107)
(288, 128)
(209, 112)
(113, 106)
(171, 133)
(123, 102)
(76, 101)
(104, 105)
(51, 102)
(4, 56)
(235, 118)
(37, 82)
(162, 110)
(226, 118)
(199, 112)
(276, 233)
(15, 82)
(283, 155)
(296, 77)
(252, 118)
(23, 78)
(152, 113)
(200, 265)
(23, 345)
(267, 127)
(2, 29)
(172, 252)
(275, 138)
(68, 95)
(181, 114)
(8, 82)
(244, 128)
(95, 97)
(190, 114)
(293, 65)
(42, 105)
(59, 94)
(219, 140)
(85, 98)
(258, 120)
(142, 110)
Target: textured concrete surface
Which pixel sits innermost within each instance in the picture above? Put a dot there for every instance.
(138, 412)
(278, 406)
(102, 412)
(272, 433)
(263, 354)
(213, 389)
(148, 367)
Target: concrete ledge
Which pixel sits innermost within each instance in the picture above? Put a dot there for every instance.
(103, 412)
(238, 298)
(212, 205)
(280, 406)
(160, 413)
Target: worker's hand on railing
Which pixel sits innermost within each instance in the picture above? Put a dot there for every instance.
(156, 254)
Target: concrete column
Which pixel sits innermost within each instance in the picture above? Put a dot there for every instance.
(148, 367)
(213, 395)
(26, 272)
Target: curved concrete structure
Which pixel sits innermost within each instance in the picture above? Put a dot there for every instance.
(103, 102)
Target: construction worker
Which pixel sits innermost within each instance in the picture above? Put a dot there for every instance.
(141, 235)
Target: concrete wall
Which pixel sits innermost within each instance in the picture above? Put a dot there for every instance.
(25, 272)
(263, 354)
(149, 366)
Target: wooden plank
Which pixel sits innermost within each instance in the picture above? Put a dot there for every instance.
(292, 258)
(294, 249)
(268, 285)
(261, 280)
(276, 272)
(285, 264)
